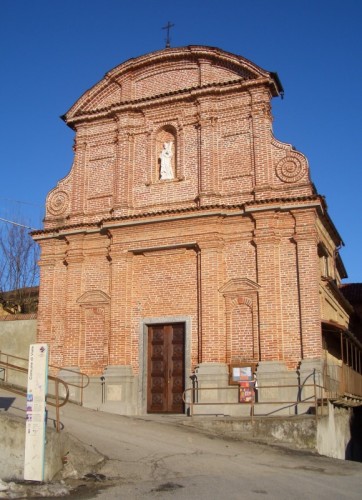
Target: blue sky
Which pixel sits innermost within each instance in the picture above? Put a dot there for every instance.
(52, 51)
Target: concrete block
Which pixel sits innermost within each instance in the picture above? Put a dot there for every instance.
(12, 438)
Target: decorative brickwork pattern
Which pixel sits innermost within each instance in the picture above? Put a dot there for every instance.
(228, 240)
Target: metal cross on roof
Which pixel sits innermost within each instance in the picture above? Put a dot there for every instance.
(167, 27)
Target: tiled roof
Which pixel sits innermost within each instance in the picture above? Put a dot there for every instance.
(352, 292)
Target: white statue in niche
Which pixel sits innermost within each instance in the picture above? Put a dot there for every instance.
(166, 161)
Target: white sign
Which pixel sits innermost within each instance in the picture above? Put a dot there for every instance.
(35, 413)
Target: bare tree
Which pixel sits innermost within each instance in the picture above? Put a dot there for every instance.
(19, 271)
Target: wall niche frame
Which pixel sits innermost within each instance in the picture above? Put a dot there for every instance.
(241, 294)
(166, 135)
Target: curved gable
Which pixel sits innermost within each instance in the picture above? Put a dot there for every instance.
(167, 71)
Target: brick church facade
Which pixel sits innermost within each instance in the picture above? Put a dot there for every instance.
(186, 239)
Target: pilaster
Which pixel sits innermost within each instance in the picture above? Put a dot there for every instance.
(213, 342)
(267, 241)
(124, 163)
(119, 390)
(261, 131)
(78, 173)
(74, 259)
(46, 300)
(308, 271)
(208, 153)
(277, 387)
(120, 304)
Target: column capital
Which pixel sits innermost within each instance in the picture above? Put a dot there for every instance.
(307, 236)
(266, 238)
(211, 244)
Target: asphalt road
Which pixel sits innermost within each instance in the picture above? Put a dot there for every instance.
(158, 457)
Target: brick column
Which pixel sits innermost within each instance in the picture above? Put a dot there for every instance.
(120, 383)
(208, 159)
(51, 310)
(261, 133)
(213, 341)
(78, 174)
(124, 165)
(45, 306)
(119, 305)
(212, 370)
(267, 243)
(308, 270)
(73, 260)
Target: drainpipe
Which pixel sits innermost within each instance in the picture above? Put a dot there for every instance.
(103, 382)
(195, 388)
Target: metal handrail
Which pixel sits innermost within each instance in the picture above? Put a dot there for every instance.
(84, 378)
(252, 403)
(60, 400)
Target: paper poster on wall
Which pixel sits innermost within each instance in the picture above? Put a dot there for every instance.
(35, 413)
(246, 384)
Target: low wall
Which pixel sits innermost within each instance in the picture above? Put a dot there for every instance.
(17, 334)
(336, 434)
(300, 432)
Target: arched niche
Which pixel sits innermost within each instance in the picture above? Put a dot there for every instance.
(166, 153)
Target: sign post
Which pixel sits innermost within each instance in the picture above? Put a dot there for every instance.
(36, 413)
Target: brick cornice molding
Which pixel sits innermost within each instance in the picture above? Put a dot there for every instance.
(120, 80)
(251, 208)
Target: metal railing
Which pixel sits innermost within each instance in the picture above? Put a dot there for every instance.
(17, 385)
(193, 397)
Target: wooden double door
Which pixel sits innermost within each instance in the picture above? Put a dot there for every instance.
(166, 368)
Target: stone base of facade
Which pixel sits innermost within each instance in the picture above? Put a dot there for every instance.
(213, 394)
(114, 392)
(277, 390)
(119, 390)
(311, 381)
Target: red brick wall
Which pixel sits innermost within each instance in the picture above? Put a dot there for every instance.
(229, 242)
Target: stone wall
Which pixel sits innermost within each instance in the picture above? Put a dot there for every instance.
(16, 335)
